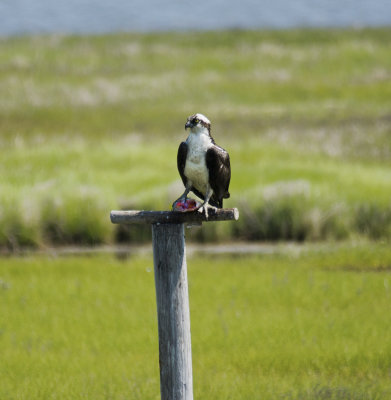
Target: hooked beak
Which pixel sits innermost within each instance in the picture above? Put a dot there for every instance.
(188, 125)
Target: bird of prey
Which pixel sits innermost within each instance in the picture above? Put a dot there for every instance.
(203, 165)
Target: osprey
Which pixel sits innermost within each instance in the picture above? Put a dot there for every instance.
(203, 165)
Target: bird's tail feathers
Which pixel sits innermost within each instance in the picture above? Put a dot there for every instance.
(216, 203)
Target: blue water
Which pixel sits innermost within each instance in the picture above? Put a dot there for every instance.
(100, 16)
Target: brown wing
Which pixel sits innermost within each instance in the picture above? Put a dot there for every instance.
(218, 164)
(181, 161)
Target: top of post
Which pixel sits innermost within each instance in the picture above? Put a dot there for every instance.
(172, 217)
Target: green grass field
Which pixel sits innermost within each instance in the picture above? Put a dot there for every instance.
(89, 124)
(301, 323)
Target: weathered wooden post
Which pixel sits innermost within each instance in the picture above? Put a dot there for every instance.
(169, 255)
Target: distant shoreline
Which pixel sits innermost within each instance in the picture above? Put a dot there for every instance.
(96, 17)
(369, 28)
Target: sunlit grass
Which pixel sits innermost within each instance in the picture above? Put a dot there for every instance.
(96, 121)
(302, 323)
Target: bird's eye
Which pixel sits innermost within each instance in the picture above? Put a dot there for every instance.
(196, 120)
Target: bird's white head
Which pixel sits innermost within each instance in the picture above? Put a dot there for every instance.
(198, 123)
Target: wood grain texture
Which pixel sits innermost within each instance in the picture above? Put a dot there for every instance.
(169, 254)
(173, 217)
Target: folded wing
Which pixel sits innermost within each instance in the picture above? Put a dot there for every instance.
(218, 164)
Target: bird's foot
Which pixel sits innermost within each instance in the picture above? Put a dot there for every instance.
(204, 208)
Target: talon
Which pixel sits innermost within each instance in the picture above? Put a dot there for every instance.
(204, 208)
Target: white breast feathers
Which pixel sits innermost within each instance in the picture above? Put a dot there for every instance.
(195, 168)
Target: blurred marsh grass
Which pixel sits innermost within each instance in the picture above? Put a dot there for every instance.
(89, 124)
(303, 322)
